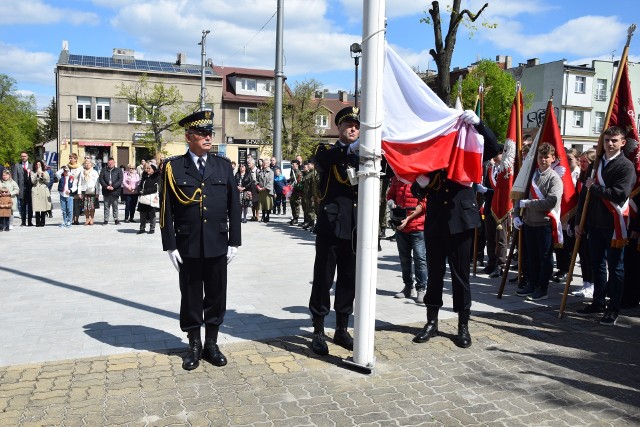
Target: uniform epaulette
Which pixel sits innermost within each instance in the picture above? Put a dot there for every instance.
(222, 157)
(168, 159)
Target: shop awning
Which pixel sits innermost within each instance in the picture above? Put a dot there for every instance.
(94, 144)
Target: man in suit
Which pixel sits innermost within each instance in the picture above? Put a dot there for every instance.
(336, 233)
(21, 174)
(452, 215)
(199, 193)
(111, 179)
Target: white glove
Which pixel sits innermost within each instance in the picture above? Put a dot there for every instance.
(423, 180)
(391, 204)
(470, 117)
(174, 256)
(481, 188)
(354, 147)
(523, 203)
(517, 223)
(231, 253)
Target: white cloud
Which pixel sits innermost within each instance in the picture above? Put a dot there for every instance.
(394, 8)
(38, 12)
(28, 67)
(576, 37)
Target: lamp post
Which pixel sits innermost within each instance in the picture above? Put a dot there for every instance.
(203, 50)
(70, 130)
(356, 53)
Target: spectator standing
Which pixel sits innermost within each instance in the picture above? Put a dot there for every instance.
(111, 183)
(130, 181)
(50, 186)
(67, 185)
(75, 169)
(149, 184)
(610, 190)
(8, 199)
(296, 191)
(21, 174)
(88, 182)
(310, 196)
(245, 183)
(264, 184)
(253, 170)
(586, 291)
(40, 195)
(140, 168)
(410, 239)
(279, 181)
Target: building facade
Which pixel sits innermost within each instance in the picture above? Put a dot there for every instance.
(94, 120)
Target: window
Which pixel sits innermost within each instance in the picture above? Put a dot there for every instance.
(248, 85)
(103, 107)
(322, 121)
(268, 86)
(247, 115)
(134, 114)
(580, 84)
(578, 119)
(84, 108)
(601, 89)
(599, 122)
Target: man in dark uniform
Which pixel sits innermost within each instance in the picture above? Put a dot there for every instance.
(200, 223)
(452, 215)
(336, 233)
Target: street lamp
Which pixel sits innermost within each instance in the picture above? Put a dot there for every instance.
(356, 53)
(203, 89)
(70, 130)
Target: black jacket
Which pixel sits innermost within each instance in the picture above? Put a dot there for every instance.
(116, 177)
(209, 223)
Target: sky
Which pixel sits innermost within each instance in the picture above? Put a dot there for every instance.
(317, 34)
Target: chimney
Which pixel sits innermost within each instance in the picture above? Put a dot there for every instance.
(343, 95)
(181, 58)
(533, 62)
(507, 61)
(65, 45)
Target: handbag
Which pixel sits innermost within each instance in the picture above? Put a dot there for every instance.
(152, 199)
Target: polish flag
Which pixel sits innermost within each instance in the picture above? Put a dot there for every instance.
(420, 134)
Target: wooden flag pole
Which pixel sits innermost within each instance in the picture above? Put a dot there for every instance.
(476, 231)
(583, 218)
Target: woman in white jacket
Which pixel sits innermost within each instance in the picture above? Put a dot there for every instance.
(88, 190)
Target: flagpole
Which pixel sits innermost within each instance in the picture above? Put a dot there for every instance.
(520, 236)
(600, 147)
(371, 117)
(476, 231)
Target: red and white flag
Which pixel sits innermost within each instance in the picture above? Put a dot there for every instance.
(420, 134)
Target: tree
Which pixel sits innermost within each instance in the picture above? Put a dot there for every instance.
(299, 110)
(157, 107)
(443, 52)
(48, 130)
(499, 90)
(18, 121)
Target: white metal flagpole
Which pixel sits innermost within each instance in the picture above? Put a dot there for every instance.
(371, 116)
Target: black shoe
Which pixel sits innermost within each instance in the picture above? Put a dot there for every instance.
(610, 318)
(105, 222)
(152, 231)
(319, 344)
(293, 221)
(212, 354)
(126, 221)
(192, 359)
(140, 232)
(488, 269)
(343, 339)
(30, 224)
(132, 220)
(244, 221)
(592, 308)
(429, 331)
(560, 277)
(117, 222)
(496, 273)
(24, 224)
(464, 338)
(304, 225)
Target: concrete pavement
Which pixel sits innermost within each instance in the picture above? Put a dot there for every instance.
(90, 336)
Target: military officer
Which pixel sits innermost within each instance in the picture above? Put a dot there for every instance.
(310, 196)
(200, 224)
(452, 215)
(336, 233)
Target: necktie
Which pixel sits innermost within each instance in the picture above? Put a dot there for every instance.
(201, 166)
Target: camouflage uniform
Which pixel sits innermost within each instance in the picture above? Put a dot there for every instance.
(296, 195)
(310, 197)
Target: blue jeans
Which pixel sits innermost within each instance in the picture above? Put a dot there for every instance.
(539, 242)
(66, 206)
(406, 243)
(603, 255)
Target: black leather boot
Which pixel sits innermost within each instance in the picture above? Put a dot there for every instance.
(192, 359)
(318, 343)
(430, 329)
(342, 337)
(464, 338)
(211, 352)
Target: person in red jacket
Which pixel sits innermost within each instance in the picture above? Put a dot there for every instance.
(407, 216)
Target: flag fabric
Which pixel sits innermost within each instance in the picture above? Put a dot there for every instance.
(623, 115)
(501, 175)
(561, 167)
(420, 134)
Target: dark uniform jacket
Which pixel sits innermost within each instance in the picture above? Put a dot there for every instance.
(338, 198)
(619, 175)
(451, 207)
(208, 223)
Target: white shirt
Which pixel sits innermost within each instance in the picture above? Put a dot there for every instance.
(195, 159)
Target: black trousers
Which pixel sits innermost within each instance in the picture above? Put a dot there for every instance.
(203, 286)
(332, 253)
(25, 207)
(455, 248)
